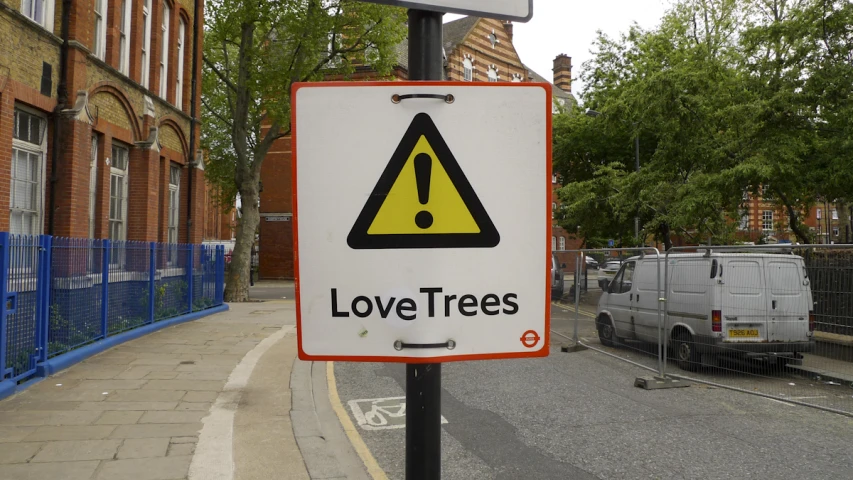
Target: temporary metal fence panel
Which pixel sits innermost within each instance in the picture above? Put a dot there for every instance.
(767, 319)
(60, 294)
(618, 312)
(772, 320)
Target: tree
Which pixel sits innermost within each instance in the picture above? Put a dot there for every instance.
(729, 98)
(254, 50)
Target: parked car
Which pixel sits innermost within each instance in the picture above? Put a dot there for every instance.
(591, 263)
(720, 304)
(607, 271)
(557, 279)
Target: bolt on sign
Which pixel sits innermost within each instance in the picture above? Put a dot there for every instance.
(519, 10)
(422, 220)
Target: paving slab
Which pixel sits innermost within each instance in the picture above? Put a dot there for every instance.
(58, 470)
(162, 468)
(143, 448)
(18, 453)
(136, 411)
(71, 432)
(69, 451)
(123, 417)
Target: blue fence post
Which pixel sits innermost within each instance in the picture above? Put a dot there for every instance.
(105, 287)
(152, 281)
(220, 273)
(43, 294)
(190, 262)
(4, 275)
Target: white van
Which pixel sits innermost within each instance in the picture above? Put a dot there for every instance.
(739, 304)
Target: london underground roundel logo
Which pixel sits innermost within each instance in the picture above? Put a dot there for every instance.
(530, 339)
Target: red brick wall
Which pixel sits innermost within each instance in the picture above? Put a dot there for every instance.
(276, 250)
(277, 196)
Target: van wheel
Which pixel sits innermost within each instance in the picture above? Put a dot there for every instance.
(606, 332)
(685, 352)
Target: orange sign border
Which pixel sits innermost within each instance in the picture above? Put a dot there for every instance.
(542, 352)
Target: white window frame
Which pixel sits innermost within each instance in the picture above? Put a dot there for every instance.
(744, 220)
(562, 243)
(43, 17)
(553, 243)
(164, 50)
(836, 231)
(516, 78)
(172, 229)
(116, 172)
(553, 209)
(29, 148)
(99, 47)
(819, 213)
(467, 70)
(93, 185)
(179, 88)
(835, 214)
(146, 43)
(767, 216)
(124, 37)
(493, 74)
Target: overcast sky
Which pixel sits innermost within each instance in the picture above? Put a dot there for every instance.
(569, 26)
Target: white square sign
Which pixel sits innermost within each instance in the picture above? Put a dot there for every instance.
(519, 10)
(422, 220)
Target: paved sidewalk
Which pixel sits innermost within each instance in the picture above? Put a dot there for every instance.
(136, 411)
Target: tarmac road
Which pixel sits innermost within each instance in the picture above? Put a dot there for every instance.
(578, 415)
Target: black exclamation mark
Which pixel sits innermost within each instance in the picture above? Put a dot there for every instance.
(423, 174)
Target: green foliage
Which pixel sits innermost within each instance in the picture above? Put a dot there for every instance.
(255, 50)
(727, 97)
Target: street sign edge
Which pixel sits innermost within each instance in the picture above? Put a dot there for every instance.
(461, 11)
(545, 350)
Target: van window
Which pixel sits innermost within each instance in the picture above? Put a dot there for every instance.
(624, 279)
(744, 278)
(784, 278)
(647, 278)
(689, 276)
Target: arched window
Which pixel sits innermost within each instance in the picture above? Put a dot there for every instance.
(164, 52)
(146, 42)
(179, 89)
(493, 74)
(468, 70)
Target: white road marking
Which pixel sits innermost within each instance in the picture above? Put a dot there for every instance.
(213, 458)
(381, 413)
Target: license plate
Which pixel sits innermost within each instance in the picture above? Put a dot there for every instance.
(743, 333)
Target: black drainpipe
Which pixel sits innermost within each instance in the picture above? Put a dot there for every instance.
(193, 119)
(61, 101)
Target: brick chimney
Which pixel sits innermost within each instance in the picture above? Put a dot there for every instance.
(508, 28)
(563, 72)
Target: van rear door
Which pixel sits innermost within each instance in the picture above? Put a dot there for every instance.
(788, 311)
(744, 300)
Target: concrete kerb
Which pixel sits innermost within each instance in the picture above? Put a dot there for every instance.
(73, 357)
(325, 447)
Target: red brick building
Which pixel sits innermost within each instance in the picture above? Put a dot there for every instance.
(96, 134)
(478, 50)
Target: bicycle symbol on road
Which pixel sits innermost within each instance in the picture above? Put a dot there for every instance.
(381, 413)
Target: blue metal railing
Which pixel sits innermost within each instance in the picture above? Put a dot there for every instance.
(60, 294)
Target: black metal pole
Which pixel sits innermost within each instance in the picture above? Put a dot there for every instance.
(423, 382)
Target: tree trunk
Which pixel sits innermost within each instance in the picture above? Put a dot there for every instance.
(237, 281)
(794, 219)
(666, 235)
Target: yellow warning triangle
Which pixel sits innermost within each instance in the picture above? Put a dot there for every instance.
(423, 199)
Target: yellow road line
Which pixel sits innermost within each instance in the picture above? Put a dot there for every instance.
(358, 444)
